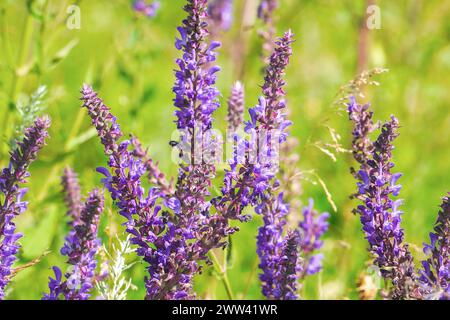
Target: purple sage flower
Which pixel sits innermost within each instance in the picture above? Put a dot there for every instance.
(435, 275)
(149, 230)
(312, 228)
(11, 203)
(72, 194)
(81, 248)
(268, 118)
(271, 245)
(236, 107)
(379, 212)
(289, 268)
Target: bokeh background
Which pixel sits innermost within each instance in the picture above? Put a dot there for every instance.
(129, 59)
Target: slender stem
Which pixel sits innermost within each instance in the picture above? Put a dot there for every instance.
(4, 37)
(17, 74)
(223, 275)
(250, 277)
(22, 56)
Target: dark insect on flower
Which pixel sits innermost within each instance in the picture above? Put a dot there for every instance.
(12, 194)
(173, 143)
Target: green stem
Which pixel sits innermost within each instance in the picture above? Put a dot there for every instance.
(17, 75)
(223, 275)
(250, 277)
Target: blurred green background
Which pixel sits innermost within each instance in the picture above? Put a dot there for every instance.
(129, 59)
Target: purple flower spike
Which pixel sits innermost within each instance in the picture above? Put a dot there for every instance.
(312, 228)
(363, 127)
(12, 194)
(195, 93)
(235, 107)
(379, 213)
(435, 275)
(268, 121)
(289, 268)
(270, 244)
(81, 247)
(123, 181)
(72, 194)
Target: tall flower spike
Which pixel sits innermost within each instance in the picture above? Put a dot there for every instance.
(267, 122)
(12, 194)
(195, 100)
(379, 213)
(312, 228)
(195, 93)
(435, 274)
(160, 241)
(123, 180)
(220, 14)
(72, 193)
(81, 248)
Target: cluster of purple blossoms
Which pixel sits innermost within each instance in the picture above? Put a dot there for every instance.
(379, 212)
(147, 9)
(435, 275)
(268, 115)
(172, 228)
(220, 13)
(12, 203)
(123, 181)
(312, 227)
(279, 253)
(175, 227)
(81, 244)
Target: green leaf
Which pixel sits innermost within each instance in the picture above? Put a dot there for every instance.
(64, 52)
